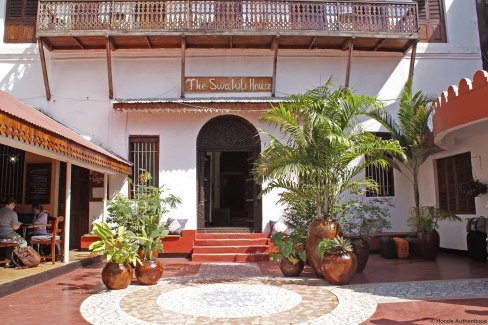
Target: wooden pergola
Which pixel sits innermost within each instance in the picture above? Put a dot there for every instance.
(226, 24)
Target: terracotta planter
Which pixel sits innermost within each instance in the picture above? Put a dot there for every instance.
(429, 244)
(339, 269)
(149, 272)
(290, 269)
(317, 231)
(116, 276)
(360, 248)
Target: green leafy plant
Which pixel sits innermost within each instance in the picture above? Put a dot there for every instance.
(319, 156)
(411, 129)
(120, 247)
(299, 214)
(426, 219)
(364, 217)
(337, 246)
(291, 247)
(143, 213)
(474, 188)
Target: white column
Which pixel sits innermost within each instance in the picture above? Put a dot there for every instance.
(105, 197)
(68, 212)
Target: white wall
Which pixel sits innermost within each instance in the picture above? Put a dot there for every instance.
(79, 87)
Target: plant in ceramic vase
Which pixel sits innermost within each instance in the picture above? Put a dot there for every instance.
(361, 219)
(319, 156)
(120, 250)
(290, 251)
(338, 261)
(426, 222)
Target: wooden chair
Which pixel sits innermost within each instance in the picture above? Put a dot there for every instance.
(53, 239)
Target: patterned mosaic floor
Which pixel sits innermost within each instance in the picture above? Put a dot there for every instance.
(239, 294)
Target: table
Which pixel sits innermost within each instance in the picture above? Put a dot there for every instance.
(26, 226)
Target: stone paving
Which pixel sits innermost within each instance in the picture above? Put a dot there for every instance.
(239, 294)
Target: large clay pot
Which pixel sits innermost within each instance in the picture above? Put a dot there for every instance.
(149, 272)
(290, 269)
(429, 244)
(317, 231)
(116, 276)
(360, 247)
(339, 269)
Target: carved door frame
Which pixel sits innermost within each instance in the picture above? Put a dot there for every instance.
(227, 133)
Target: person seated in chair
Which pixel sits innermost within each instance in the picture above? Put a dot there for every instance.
(9, 223)
(40, 218)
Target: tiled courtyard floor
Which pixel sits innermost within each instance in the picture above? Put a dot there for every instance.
(451, 290)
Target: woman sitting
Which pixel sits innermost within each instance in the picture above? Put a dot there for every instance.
(40, 218)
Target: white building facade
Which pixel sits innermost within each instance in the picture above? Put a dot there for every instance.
(146, 72)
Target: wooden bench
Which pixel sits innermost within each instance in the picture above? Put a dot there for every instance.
(178, 244)
(6, 260)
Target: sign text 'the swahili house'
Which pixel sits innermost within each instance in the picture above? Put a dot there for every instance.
(228, 84)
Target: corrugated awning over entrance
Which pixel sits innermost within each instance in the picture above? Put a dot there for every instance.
(207, 105)
(24, 124)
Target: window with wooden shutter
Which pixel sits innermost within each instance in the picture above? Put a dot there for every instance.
(452, 173)
(383, 176)
(431, 21)
(20, 21)
(144, 154)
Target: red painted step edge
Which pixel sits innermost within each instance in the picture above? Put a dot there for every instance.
(257, 257)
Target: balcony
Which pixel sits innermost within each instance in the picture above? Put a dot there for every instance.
(88, 24)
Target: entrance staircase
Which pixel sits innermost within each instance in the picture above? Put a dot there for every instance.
(231, 247)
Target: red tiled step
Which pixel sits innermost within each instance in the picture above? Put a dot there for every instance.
(255, 257)
(230, 249)
(230, 242)
(231, 235)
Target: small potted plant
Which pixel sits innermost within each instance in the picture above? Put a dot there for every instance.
(360, 219)
(120, 250)
(152, 232)
(290, 252)
(338, 260)
(474, 188)
(142, 214)
(426, 222)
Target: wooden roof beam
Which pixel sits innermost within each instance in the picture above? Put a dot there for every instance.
(78, 42)
(347, 44)
(348, 67)
(379, 44)
(40, 45)
(275, 62)
(183, 67)
(108, 46)
(148, 42)
(312, 43)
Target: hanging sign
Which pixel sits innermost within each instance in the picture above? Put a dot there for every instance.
(228, 84)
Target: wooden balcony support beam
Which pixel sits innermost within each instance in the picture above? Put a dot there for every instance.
(108, 46)
(275, 63)
(379, 44)
(347, 44)
(231, 41)
(183, 57)
(412, 61)
(348, 67)
(148, 42)
(312, 43)
(78, 42)
(40, 45)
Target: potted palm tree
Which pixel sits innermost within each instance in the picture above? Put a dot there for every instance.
(338, 260)
(319, 157)
(290, 251)
(411, 129)
(426, 222)
(120, 250)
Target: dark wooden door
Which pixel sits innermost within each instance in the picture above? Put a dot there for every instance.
(79, 221)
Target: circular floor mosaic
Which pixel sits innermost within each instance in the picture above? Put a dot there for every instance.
(231, 301)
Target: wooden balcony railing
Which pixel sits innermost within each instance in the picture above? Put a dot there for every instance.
(226, 16)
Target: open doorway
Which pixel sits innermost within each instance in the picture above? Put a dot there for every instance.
(227, 148)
